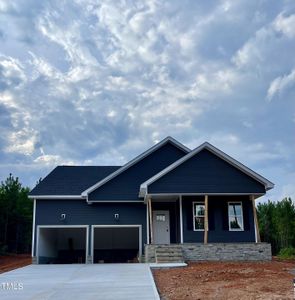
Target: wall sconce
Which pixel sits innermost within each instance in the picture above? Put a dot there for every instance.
(117, 217)
(62, 217)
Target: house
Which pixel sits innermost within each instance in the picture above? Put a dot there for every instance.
(169, 203)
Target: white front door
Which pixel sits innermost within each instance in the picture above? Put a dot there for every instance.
(161, 227)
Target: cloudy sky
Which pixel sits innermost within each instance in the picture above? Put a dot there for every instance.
(98, 82)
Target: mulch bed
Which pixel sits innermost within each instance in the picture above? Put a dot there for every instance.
(11, 262)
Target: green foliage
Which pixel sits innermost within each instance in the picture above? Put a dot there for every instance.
(277, 223)
(15, 216)
(287, 253)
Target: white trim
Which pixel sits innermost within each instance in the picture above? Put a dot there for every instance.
(147, 226)
(33, 227)
(242, 215)
(180, 219)
(256, 240)
(56, 197)
(134, 161)
(117, 226)
(268, 184)
(62, 226)
(200, 203)
(115, 201)
(204, 194)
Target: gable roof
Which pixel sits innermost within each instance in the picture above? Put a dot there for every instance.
(268, 184)
(133, 162)
(70, 181)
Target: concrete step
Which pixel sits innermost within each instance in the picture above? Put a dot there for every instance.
(169, 252)
(169, 260)
(169, 255)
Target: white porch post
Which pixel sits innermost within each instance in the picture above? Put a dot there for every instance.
(151, 219)
(206, 221)
(180, 219)
(147, 225)
(257, 234)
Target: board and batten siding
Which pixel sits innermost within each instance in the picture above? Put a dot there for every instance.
(206, 173)
(125, 186)
(218, 220)
(78, 212)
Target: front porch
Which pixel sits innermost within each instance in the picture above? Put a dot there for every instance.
(203, 227)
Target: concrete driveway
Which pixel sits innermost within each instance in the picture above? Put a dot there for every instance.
(73, 282)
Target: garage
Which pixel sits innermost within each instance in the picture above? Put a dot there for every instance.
(62, 244)
(116, 244)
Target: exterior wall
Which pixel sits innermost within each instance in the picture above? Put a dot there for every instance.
(206, 173)
(126, 185)
(218, 220)
(219, 252)
(78, 212)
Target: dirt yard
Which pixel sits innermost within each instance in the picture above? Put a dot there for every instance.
(220, 280)
(12, 262)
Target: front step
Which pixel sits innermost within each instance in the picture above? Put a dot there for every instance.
(169, 254)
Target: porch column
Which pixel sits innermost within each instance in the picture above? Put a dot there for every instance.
(257, 234)
(206, 221)
(151, 219)
(180, 219)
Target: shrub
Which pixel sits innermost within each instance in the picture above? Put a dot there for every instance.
(287, 253)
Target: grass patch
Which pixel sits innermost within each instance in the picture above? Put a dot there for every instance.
(287, 253)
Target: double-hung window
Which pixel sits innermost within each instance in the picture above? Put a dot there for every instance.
(235, 216)
(199, 216)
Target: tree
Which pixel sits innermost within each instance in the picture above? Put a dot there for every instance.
(15, 216)
(277, 223)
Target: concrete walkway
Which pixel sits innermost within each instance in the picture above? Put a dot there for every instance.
(74, 282)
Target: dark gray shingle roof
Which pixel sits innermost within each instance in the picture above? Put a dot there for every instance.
(71, 180)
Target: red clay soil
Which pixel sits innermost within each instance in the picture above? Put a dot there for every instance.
(11, 262)
(225, 280)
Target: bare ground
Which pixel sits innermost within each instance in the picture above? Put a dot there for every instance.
(228, 280)
(11, 262)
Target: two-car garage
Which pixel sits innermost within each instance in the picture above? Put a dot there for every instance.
(67, 244)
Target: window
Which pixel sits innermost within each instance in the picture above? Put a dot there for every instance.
(235, 216)
(160, 218)
(199, 215)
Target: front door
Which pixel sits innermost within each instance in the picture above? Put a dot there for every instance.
(161, 227)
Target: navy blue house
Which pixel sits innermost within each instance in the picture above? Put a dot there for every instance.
(169, 203)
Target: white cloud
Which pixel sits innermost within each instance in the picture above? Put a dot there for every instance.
(286, 25)
(106, 80)
(280, 83)
(22, 141)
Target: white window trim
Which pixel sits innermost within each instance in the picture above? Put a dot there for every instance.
(202, 203)
(242, 215)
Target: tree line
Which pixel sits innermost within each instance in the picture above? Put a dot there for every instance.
(277, 225)
(276, 220)
(16, 214)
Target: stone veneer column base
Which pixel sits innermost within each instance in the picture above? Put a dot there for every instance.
(218, 252)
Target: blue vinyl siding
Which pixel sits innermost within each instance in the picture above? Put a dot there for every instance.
(206, 173)
(126, 185)
(218, 220)
(78, 212)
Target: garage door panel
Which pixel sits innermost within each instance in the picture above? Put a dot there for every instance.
(115, 244)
